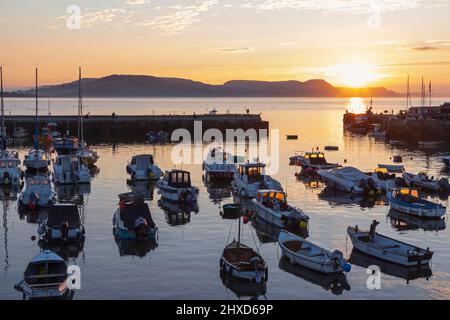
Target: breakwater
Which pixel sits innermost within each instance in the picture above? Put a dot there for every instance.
(129, 128)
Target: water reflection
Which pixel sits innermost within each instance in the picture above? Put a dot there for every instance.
(177, 214)
(66, 250)
(32, 216)
(335, 283)
(401, 222)
(145, 188)
(244, 289)
(311, 182)
(218, 191)
(135, 248)
(339, 198)
(407, 273)
(73, 193)
(356, 106)
(268, 233)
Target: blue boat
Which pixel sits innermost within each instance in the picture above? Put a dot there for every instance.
(133, 220)
(408, 201)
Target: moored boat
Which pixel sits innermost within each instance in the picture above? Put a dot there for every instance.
(388, 249)
(68, 169)
(63, 224)
(305, 253)
(218, 166)
(133, 220)
(250, 177)
(10, 172)
(350, 179)
(408, 201)
(272, 206)
(422, 180)
(142, 168)
(38, 193)
(176, 187)
(311, 162)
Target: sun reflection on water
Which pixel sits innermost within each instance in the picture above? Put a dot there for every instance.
(356, 105)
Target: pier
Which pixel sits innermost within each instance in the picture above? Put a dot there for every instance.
(129, 128)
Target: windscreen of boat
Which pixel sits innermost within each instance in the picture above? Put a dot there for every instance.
(254, 174)
(46, 273)
(134, 210)
(60, 214)
(142, 162)
(350, 173)
(180, 179)
(317, 159)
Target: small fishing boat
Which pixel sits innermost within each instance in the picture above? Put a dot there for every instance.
(388, 249)
(176, 187)
(250, 177)
(63, 224)
(10, 172)
(45, 277)
(133, 220)
(142, 168)
(331, 148)
(311, 162)
(20, 133)
(377, 131)
(241, 261)
(430, 144)
(350, 179)
(272, 206)
(386, 179)
(218, 166)
(408, 201)
(305, 253)
(87, 155)
(446, 161)
(395, 168)
(422, 180)
(38, 193)
(68, 169)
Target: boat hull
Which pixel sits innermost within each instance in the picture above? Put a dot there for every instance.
(435, 211)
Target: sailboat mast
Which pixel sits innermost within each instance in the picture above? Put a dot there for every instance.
(3, 110)
(239, 231)
(429, 89)
(80, 109)
(36, 129)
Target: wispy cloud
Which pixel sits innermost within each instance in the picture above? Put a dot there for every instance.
(181, 17)
(426, 48)
(349, 6)
(136, 2)
(416, 63)
(233, 49)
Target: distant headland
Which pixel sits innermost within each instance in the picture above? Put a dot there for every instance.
(142, 86)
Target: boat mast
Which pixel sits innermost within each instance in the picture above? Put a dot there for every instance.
(429, 89)
(80, 109)
(2, 111)
(239, 230)
(408, 96)
(36, 129)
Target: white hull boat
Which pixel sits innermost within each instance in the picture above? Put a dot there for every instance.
(349, 179)
(143, 168)
(218, 166)
(408, 201)
(36, 160)
(38, 193)
(176, 187)
(384, 248)
(302, 252)
(10, 172)
(271, 206)
(422, 180)
(250, 178)
(69, 169)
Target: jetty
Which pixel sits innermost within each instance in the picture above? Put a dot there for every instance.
(133, 128)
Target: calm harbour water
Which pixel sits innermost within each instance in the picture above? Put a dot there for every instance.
(185, 264)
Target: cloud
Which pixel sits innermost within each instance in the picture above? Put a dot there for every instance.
(233, 50)
(136, 2)
(415, 64)
(182, 17)
(427, 48)
(348, 6)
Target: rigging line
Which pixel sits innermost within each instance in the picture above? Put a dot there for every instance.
(254, 240)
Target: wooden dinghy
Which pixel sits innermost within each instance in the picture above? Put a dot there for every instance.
(305, 253)
(388, 249)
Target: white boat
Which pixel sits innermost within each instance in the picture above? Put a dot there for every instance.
(36, 160)
(20, 132)
(218, 166)
(408, 201)
(350, 179)
(10, 172)
(446, 161)
(384, 248)
(377, 131)
(38, 192)
(45, 277)
(384, 178)
(424, 181)
(311, 162)
(176, 187)
(305, 253)
(69, 169)
(63, 224)
(272, 206)
(87, 155)
(250, 177)
(142, 168)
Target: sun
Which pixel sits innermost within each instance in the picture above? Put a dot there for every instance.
(355, 75)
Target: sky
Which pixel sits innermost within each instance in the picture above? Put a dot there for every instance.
(346, 42)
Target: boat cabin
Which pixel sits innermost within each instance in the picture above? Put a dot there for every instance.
(64, 215)
(178, 179)
(142, 161)
(253, 171)
(68, 163)
(274, 199)
(315, 158)
(406, 194)
(9, 163)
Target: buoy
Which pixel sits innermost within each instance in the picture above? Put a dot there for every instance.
(347, 267)
(245, 219)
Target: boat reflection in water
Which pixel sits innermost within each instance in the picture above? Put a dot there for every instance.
(402, 221)
(177, 214)
(33, 216)
(9, 192)
(311, 182)
(218, 191)
(95, 171)
(268, 233)
(135, 248)
(335, 283)
(145, 188)
(339, 198)
(242, 288)
(71, 193)
(67, 251)
(408, 273)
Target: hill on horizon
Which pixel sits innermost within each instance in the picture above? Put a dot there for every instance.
(141, 86)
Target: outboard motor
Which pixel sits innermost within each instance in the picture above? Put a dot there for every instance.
(6, 178)
(33, 200)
